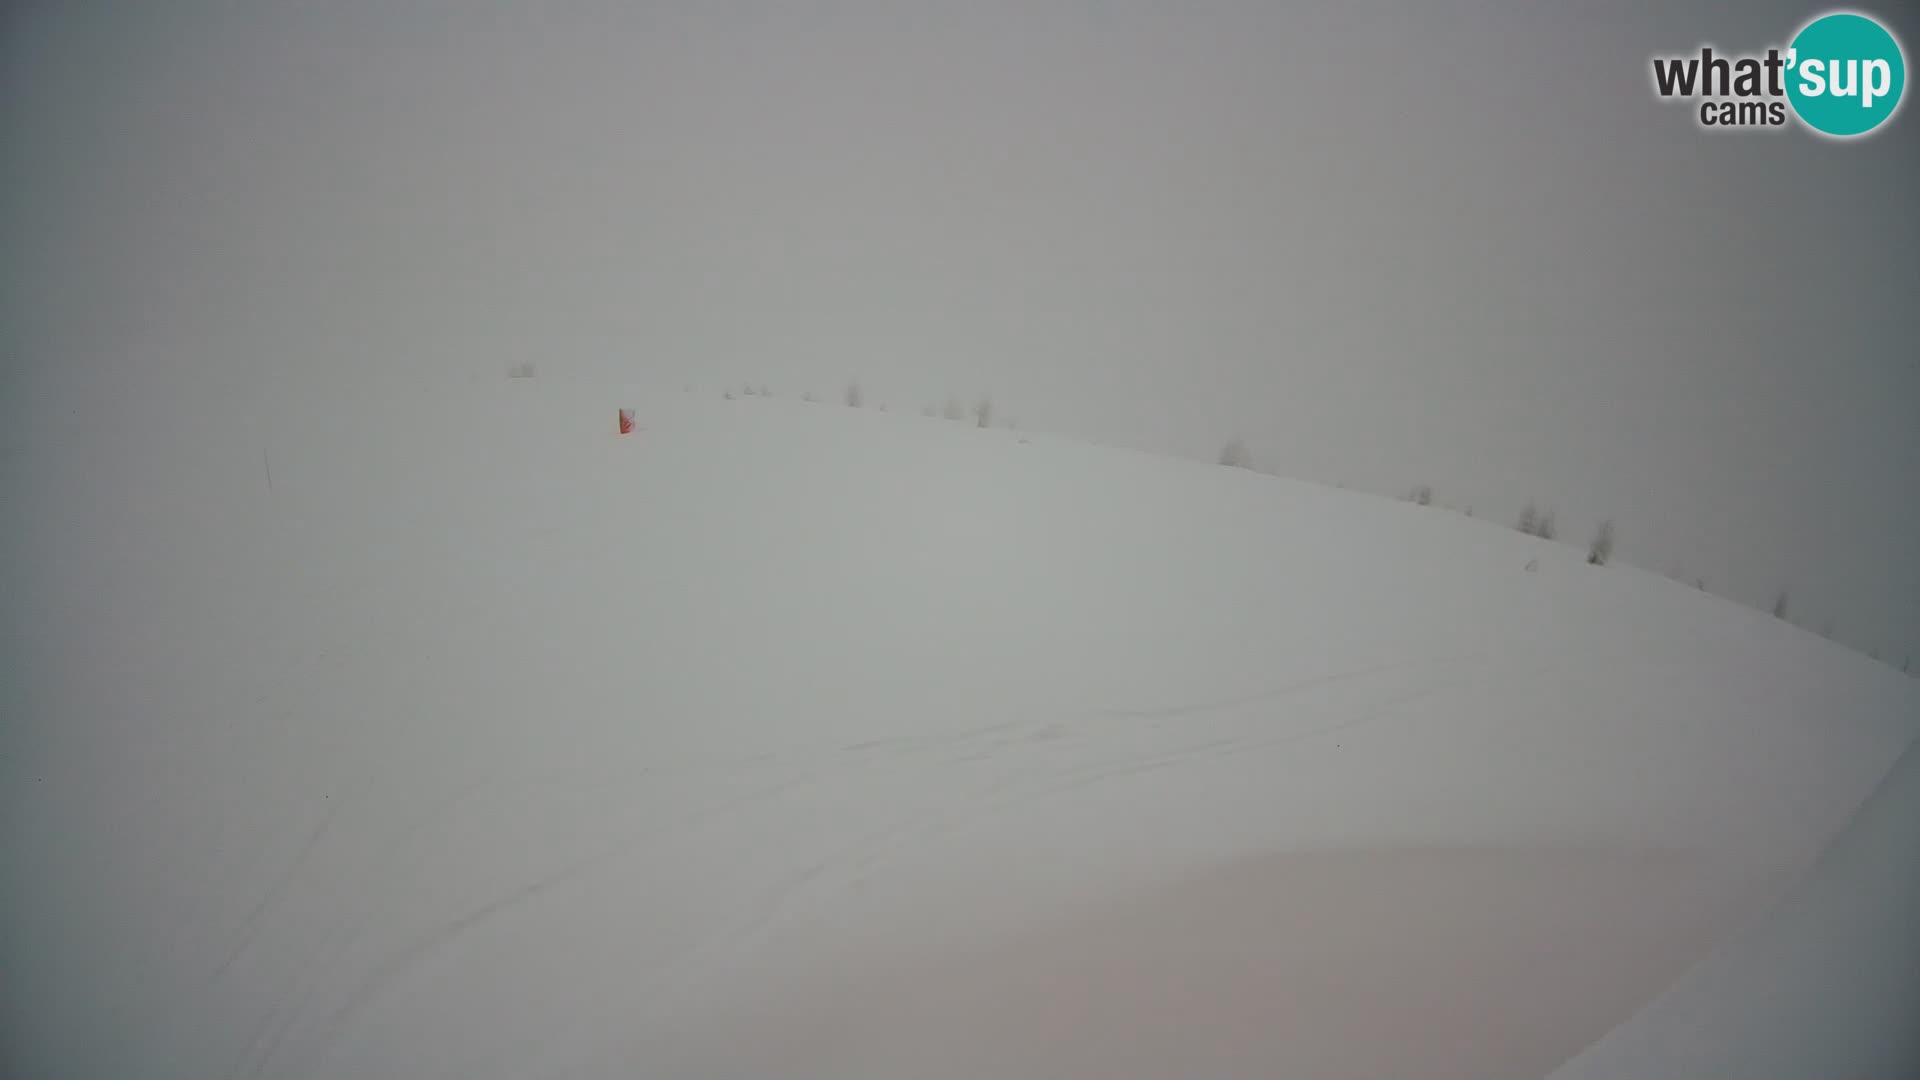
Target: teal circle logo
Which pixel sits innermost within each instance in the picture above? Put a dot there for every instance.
(1845, 74)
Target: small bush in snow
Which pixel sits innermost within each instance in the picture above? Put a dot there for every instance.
(1601, 549)
(1421, 495)
(1545, 529)
(727, 393)
(520, 371)
(1529, 522)
(853, 395)
(1234, 454)
(1780, 605)
(983, 412)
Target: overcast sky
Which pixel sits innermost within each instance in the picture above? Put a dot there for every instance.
(1455, 243)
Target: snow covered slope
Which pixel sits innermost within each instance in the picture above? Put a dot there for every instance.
(447, 733)
(1827, 984)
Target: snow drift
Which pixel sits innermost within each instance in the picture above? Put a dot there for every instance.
(784, 739)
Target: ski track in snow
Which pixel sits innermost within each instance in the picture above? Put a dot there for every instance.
(846, 867)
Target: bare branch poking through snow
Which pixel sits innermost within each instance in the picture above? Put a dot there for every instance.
(1235, 455)
(1601, 549)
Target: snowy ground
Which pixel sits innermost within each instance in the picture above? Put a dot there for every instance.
(784, 739)
(1826, 983)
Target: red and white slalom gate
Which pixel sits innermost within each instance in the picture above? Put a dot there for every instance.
(626, 421)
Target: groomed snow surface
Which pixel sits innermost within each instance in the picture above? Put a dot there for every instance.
(788, 740)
